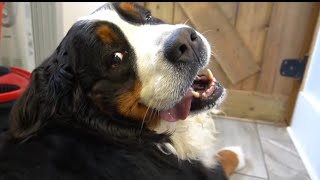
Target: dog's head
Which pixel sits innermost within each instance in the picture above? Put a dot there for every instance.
(120, 63)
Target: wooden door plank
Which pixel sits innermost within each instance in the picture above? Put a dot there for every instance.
(181, 18)
(229, 10)
(162, 10)
(252, 24)
(255, 106)
(288, 29)
(300, 17)
(233, 56)
(308, 48)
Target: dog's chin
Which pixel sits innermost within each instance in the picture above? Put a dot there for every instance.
(204, 93)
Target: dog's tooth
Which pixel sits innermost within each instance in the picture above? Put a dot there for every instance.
(209, 75)
(211, 88)
(195, 94)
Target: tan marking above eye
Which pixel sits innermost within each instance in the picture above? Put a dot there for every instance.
(107, 35)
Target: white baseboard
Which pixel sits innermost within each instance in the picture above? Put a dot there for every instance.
(304, 158)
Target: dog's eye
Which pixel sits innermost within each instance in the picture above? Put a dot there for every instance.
(148, 17)
(116, 60)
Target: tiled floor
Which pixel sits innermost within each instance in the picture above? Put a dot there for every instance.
(270, 153)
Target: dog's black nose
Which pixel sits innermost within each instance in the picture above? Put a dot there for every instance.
(182, 45)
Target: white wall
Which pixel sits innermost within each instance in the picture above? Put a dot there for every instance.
(305, 128)
(17, 41)
(69, 12)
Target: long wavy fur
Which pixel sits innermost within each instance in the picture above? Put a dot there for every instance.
(59, 91)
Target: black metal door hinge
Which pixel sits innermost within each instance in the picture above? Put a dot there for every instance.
(294, 67)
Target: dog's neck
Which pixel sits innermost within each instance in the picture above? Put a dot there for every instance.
(192, 139)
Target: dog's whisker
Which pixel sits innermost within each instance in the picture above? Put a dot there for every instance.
(145, 116)
(186, 21)
(134, 106)
(153, 110)
(157, 111)
(209, 30)
(150, 116)
(156, 105)
(159, 102)
(213, 54)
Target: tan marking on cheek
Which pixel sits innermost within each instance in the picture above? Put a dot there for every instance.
(128, 7)
(107, 35)
(129, 106)
(229, 161)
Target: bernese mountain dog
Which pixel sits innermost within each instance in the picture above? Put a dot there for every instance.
(121, 97)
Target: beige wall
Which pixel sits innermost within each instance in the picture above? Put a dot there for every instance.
(69, 12)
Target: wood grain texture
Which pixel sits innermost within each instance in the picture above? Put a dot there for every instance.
(257, 106)
(180, 17)
(252, 24)
(308, 48)
(162, 10)
(233, 56)
(266, 32)
(300, 16)
(229, 10)
(288, 29)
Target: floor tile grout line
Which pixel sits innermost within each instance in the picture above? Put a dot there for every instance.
(257, 177)
(282, 147)
(263, 138)
(288, 151)
(263, 153)
(255, 124)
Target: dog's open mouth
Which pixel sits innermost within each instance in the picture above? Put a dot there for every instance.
(204, 92)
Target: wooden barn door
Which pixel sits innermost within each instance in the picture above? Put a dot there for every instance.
(249, 41)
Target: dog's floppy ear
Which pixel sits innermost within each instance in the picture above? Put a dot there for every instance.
(48, 95)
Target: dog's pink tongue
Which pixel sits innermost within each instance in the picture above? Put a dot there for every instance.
(180, 111)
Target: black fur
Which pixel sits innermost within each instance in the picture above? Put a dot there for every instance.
(75, 82)
(66, 124)
(67, 151)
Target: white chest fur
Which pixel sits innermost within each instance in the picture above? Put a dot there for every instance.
(192, 138)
